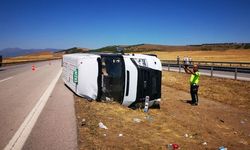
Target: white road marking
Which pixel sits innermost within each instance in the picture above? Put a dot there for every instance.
(5, 79)
(18, 140)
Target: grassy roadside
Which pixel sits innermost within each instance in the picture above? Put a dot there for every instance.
(215, 123)
(156, 129)
(41, 56)
(213, 55)
(227, 91)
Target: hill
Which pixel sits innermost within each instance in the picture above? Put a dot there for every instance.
(13, 52)
(37, 56)
(155, 47)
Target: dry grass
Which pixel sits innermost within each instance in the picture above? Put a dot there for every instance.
(32, 57)
(213, 122)
(240, 55)
(149, 133)
(228, 91)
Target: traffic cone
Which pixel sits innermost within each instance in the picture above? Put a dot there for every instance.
(33, 68)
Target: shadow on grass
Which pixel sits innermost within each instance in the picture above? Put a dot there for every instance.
(187, 101)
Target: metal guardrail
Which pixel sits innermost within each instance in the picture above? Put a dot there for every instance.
(212, 63)
(236, 67)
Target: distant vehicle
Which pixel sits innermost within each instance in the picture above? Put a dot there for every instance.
(126, 78)
(1, 60)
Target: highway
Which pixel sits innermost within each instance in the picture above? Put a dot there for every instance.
(36, 109)
(220, 74)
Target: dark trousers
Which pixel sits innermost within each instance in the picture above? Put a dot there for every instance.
(194, 93)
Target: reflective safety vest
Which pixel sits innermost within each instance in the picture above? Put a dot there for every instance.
(194, 79)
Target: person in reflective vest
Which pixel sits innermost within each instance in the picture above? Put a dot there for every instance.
(194, 83)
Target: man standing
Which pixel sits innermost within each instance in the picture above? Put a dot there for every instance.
(194, 83)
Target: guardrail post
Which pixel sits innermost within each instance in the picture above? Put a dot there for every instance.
(212, 71)
(235, 73)
(168, 67)
(179, 68)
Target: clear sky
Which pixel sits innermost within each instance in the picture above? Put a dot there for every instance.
(97, 23)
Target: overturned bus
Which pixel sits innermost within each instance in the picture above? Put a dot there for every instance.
(126, 78)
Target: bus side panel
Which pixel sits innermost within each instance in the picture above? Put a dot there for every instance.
(131, 77)
(69, 67)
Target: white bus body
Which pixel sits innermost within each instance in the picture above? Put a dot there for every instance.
(126, 78)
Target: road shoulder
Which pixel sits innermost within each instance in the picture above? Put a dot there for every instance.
(56, 126)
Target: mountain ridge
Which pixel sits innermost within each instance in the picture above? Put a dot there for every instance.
(13, 52)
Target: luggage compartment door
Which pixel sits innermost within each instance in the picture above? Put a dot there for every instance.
(88, 73)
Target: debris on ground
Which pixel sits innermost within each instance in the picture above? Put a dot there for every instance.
(242, 122)
(222, 148)
(167, 125)
(186, 135)
(173, 146)
(83, 122)
(137, 120)
(102, 126)
(120, 135)
(149, 118)
(244, 142)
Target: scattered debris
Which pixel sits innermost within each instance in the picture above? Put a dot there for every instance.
(107, 99)
(222, 148)
(120, 135)
(222, 121)
(104, 134)
(244, 142)
(186, 135)
(149, 118)
(204, 143)
(137, 120)
(83, 122)
(172, 146)
(242, 122)
(101, 125)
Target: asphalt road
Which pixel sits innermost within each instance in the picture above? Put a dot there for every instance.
(22, 93)
(221, 74)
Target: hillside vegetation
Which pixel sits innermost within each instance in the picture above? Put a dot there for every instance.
(154, 47)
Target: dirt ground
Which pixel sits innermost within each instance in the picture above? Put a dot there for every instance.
(213, 123)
